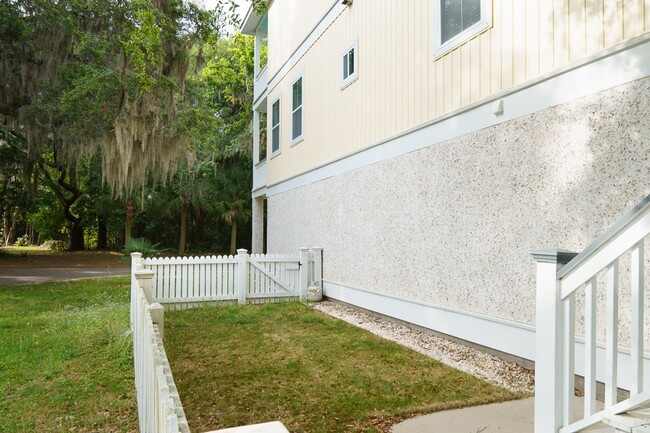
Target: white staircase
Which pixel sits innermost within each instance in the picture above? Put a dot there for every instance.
(583, 290)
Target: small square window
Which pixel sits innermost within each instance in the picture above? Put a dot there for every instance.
(349, 65)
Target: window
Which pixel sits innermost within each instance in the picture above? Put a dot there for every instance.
(275, 127)
(349, 65)
(296, 111)
(459, 20)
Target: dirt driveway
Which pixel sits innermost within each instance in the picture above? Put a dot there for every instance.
(34, 267)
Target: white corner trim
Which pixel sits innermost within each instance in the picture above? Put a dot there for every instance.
(507, 336)
(622, 64)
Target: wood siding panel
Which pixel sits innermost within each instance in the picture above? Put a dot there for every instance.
(594, 26)
(531, 33)
(577, 29)
(519, 41)
(560, 33)
(402, 83)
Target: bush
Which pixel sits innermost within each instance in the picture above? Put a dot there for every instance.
(22, 241)
(141, 245)
(56, 246)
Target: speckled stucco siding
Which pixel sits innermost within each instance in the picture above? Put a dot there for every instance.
(454, 224)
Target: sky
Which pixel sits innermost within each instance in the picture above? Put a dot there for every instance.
(242, 9)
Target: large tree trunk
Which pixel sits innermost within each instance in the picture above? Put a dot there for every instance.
(5, 228)
(60, 187)
(102, 234)
(11, 238)
(233, 238)
(181, 245)
(76, 235)
(129, 211)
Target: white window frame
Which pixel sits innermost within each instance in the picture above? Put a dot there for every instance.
(351, 78)
(301, 137)
(483, 24)
(273, 154)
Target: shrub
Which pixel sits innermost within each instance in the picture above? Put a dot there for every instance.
(22, 241)
(56, 246)
(141, 245)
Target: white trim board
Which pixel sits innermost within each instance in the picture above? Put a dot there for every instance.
(507, 336)
(327, 20)
(626, 62)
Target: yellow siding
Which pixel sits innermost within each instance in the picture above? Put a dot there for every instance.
(290, 21)
(402, 84)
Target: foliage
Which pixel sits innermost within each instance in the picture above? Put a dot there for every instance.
(22, 241)
(120, 110)
(141, 245)
(65, 357)
(56, 246)
(318, 374)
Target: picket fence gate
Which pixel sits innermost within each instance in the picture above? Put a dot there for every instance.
(184, 282)
(195, 280)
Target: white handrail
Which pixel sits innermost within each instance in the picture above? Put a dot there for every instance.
(561, 276)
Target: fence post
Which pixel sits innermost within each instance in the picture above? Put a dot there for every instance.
(136, 260)
(145, 280)
(549, 397)
(158, 317)
(304, 272)
(318, 266)
(242, 275)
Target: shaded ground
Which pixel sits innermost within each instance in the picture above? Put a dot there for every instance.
(31, 257)
(34, 265)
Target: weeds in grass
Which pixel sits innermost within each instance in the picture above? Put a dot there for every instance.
(65, 358)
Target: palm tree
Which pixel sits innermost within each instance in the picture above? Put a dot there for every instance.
(233, 199)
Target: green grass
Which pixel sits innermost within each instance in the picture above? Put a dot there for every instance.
(65, 358)
(243, 365)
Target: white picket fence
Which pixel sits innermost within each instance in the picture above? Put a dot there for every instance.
(186, 282)
(590, 280)
(182, 282)
(159, 405)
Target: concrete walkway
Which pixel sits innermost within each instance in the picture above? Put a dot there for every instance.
(509, 417)
(42, 275)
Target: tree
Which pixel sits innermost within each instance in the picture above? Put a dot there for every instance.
(233, 200)
(99, 78)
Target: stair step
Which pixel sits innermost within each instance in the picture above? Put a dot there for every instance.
(628, 424)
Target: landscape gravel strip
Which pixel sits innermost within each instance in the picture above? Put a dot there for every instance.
(482, 365)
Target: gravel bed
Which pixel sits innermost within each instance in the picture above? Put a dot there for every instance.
(482, 365)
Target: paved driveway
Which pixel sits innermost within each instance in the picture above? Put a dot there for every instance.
(42, 275)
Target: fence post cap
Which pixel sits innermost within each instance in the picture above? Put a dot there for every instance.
(317, 248)
(304, 249)
(242, 251)
(144, 274)
(553, 255)
(136, 255)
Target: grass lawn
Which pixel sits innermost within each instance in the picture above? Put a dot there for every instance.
(37, 257)
(243, 365)
(65, 358)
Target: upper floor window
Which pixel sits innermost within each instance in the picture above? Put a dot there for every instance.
(349, 65)
(296, 111)
(459, 20)
(275, 127)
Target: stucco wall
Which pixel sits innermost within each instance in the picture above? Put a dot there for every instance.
(454, 224)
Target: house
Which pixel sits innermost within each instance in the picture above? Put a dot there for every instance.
(430, 145)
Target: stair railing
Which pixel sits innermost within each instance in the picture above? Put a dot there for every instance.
(560, 277)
